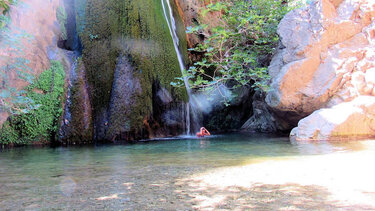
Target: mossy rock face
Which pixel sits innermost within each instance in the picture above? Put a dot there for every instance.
(128, 40)
(76, 125)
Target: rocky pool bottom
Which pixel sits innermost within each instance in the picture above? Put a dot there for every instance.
(233, 171)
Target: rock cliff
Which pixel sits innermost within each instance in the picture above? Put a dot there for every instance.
(190, 11)
(130, 62)
(28, 43)
(326, 59)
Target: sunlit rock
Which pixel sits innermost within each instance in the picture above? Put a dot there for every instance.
(190, 14)
(327, 57)
(349, 120)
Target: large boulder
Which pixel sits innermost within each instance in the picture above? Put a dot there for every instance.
(326, 58)
(355, 119)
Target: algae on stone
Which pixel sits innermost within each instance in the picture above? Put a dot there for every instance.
(76, 125)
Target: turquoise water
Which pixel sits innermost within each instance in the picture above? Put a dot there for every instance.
(132, 177)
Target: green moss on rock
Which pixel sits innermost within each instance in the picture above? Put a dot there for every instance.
(136, 29)
(77, 125)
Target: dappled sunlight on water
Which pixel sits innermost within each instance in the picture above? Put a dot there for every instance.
(234, 171)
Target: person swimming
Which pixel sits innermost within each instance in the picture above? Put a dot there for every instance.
(203, 132)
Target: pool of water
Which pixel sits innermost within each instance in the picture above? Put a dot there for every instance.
(133, 177)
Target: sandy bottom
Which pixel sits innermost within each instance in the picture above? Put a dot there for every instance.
(338, 181)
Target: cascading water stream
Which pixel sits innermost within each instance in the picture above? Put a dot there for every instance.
(67, 115)
(72, 78)
(176, 42)
(187, 121)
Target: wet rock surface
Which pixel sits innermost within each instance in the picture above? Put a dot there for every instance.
(218, 117)
(130, 62)
(264, 119)
(76, 125)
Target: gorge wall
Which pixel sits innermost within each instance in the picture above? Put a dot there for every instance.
(190, 11)
(27, 44)
(119, 61)
(324, 71)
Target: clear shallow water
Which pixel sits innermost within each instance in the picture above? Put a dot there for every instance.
(139, 176)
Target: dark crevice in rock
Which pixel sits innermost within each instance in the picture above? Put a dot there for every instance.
(230, 118)
(265, 120)
(72, 42)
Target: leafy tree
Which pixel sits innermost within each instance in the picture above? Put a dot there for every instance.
(234, 53)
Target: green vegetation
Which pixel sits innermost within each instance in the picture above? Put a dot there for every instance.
(237, 52)
(80, 8)
(4, 9)
(5, 5)
(3, 21)
(41, 122)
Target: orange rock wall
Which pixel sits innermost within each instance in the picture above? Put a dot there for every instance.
(190, 12)
(36, 18)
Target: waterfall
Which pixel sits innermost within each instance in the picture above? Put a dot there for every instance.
(187, 118)
(176, 41)
(67, 114)
(72, 79)
(191, 110)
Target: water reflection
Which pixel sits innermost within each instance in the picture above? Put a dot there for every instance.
(204, 143)
(326, 147)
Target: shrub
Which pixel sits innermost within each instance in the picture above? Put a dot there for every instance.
(5, 6)
(40, 122)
